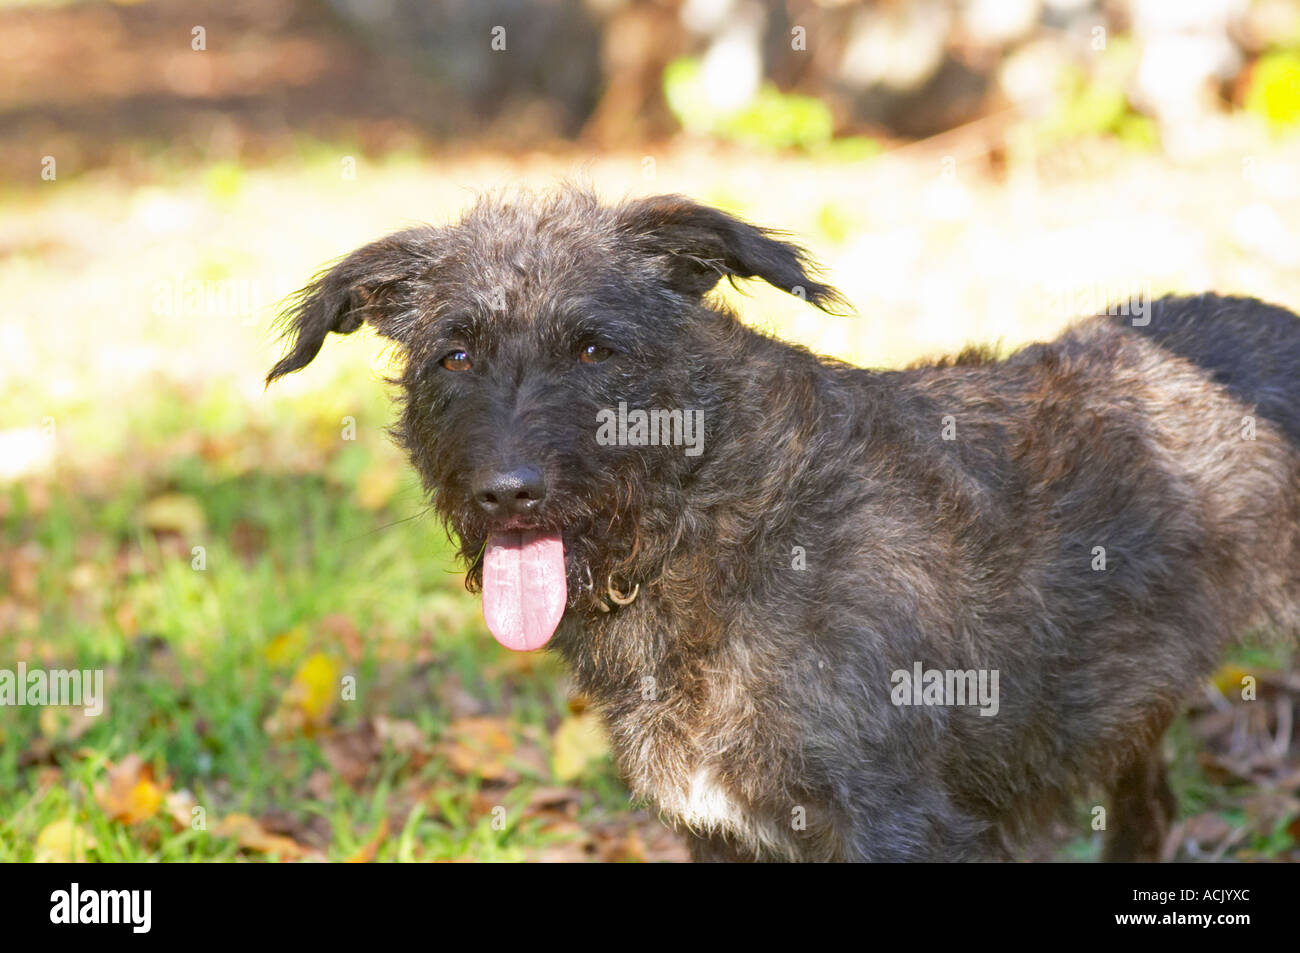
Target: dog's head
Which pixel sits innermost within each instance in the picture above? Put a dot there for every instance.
(553, 371)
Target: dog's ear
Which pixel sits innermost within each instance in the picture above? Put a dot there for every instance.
(371, 285)
(704, 244)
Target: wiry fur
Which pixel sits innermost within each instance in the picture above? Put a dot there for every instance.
(741, 692)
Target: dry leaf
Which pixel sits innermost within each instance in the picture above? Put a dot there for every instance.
(174, 513)
(547, 800)
(627, 849)
(339, 630)
(478, 746)
(579, 742)
(250, 834)
(315, 686)
(662, 844)
(63, 842)
(310, 698)
(320, 786)
(286, 646)
(308, 829)
(406, 738)
(352, 752)
(366, 853)
(1228, 680)
(180, 808)
(131, 794)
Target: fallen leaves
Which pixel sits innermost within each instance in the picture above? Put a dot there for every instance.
(479, 746)
(250, 834)
(180, 807)
(132, 794)
(286, 646)
(637, 839)
(1249, 741)
(310, 699)
(494, 754)
(174, 513)
(315, 687)
(579, 742)
(63, 842)
(1245, 746)
(352, 752)
(365, 854)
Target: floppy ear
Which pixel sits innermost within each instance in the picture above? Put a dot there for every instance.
(704, 244)
(370, 285)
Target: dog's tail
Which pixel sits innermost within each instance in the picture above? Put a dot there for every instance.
(1251, 349)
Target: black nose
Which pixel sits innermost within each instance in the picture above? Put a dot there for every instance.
(514, 492)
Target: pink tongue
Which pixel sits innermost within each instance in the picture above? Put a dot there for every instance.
(524, 590)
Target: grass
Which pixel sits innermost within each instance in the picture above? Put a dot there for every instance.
(226, 667)
(199, 661)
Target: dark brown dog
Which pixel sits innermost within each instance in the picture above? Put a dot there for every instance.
(831, 613)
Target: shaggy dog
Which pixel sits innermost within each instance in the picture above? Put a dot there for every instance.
(831, 613)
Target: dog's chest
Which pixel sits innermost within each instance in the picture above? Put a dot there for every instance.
(689, 731)
(703, 804)
(681, 761)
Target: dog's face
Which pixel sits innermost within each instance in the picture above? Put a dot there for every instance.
(532, 333)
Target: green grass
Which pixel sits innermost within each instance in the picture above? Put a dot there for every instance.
(190, 655)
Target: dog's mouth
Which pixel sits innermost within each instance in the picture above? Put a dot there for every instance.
(524, 587)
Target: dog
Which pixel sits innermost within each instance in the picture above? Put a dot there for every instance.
(831, 613)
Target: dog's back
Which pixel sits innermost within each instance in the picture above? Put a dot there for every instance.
(1134, 501)
(1248, 352)
(1250, 348)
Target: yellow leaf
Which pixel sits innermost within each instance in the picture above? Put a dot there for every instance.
(63, 842)
(145, 799)
(578, 743)
(309, 701)
(316, 686)
(286, 646)
(174, 513)
(131, 795)
(1274, 90)
(1228, 680)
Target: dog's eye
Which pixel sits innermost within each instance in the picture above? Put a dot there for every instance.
(594, 354)
(457, 361)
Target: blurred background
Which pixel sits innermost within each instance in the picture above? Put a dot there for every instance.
(233, 559)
